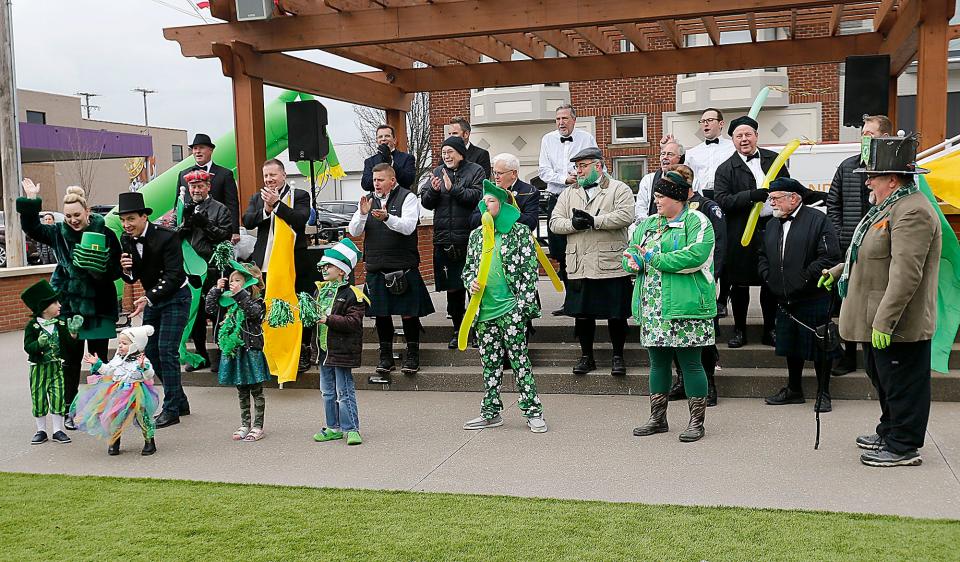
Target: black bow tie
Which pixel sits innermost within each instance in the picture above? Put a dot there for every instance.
(752, 156)
(714, 141)
(787, 218)
(566, 139)
(139, 239)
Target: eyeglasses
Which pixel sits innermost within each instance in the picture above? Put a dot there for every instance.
(497, 174)
(707, 120)
(776, 198)
(669, 154)
(585, 165)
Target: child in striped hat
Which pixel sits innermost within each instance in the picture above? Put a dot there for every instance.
(340, 337)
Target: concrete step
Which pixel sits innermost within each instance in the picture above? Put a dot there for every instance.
(731, 383)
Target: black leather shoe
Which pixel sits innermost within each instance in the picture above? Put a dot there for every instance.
(584, 365)
(826, 405)
(769, 338)
(60, 437)
(205, 364)
(149, 447)
(739, 339)
(617, 366)
(870, 442)
(68, 423)
(843, 368)
(785, 396)
(166, 419)
(39, 438)
(114, 449)
(887, 458)
(721, 310)
(711, 394)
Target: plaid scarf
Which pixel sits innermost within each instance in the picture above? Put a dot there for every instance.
(325, 297)
(865, 223)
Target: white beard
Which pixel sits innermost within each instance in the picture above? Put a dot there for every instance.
(777, 213)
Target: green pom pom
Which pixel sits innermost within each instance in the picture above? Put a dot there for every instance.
(280, 314)
(229, 337)
(309, 312)
(222, 255)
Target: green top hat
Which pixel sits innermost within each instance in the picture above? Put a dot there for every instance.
(509, 213)
(39, 296)
(93, 241)
(226, 299)
(91, 255)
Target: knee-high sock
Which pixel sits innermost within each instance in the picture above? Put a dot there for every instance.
(585, 329)
(384, 328)
(739, 302)
(794, 372)
(457, 306)
(411, 329)
(618, 334)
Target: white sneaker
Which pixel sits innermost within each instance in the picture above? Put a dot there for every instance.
(482, 422)
(537, 425)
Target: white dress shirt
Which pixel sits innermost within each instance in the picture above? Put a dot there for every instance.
(555, 164)
(785, 225)
(644, 193)
(404, 225)
(704, 158)
(758, 174)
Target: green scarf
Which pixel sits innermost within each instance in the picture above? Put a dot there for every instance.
(325, 297)
(865, 223)
(229, 336)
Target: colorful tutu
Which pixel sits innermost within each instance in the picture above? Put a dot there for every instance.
(248, 366)
(107, 408)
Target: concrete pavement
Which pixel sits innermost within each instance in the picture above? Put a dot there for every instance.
(753, 455)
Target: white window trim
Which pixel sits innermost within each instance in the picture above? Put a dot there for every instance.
(628, 140)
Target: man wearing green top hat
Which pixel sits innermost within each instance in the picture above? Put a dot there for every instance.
(508, 300)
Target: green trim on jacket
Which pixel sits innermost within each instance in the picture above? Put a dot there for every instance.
(684, 257)
(31, 344)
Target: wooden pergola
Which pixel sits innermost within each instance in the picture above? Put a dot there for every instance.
(436, 45)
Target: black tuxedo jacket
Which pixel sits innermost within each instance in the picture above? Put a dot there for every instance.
(160, 270)
(223, 188)
(481, 157)
(296, 217)
(811, 247)
(403, 164)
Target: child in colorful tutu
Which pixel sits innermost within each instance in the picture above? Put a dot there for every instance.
(42, 337)
(240, 338)
(121, 393)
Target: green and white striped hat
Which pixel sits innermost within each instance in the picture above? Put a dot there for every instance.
(344, 255)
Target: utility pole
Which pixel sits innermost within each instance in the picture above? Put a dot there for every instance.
(9, 139)
(145, 92)
(86, 101)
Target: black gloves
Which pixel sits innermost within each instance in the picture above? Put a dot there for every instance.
(385, 155)
(759, 195)
(199, 220)
(582, 220)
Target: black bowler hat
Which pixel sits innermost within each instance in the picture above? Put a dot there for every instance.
(787, 184)
(132, 202)
(203, 139)
(744, 120)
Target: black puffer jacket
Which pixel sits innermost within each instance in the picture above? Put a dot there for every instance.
(452, 209)
(847, 200)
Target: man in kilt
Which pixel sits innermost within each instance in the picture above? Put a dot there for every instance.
(389, 218)
(153, 256)
(799, 243)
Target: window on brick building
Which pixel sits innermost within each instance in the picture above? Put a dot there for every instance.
(37, 117)
(630, 170)
(177, 153)
(629, 129)
(627, 47)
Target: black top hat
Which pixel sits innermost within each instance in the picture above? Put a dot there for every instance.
(889, 155)
(132, 202)
(203, 139)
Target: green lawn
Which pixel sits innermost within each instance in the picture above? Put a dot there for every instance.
(55, 517)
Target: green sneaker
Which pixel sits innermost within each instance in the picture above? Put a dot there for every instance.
(353, 438)
(327, 435)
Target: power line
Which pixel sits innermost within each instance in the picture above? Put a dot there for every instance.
(178, 8)
(145, 92)
(86, 101)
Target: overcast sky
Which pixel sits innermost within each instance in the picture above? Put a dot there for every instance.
(111, 47)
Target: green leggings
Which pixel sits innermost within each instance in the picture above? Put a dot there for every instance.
(661, 370)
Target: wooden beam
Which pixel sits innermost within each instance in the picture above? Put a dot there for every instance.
(560, 41)
(710, 23)
(488, 46)
(835, 15)
(454, 50)
(420, 22)
(670, 29)
(398, 120)
(953, 32)
(520, 42)
(902, 42)
(932, 72)
(593, 36)
(418, 52)
(377, 57)
(752, 24)
(884, 17)
(793, 24)
(635, 35)
(285, 71)
(225, 10)
(892, 101)
(250, 130)
(743, 56)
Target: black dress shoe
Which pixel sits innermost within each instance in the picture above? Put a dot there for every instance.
(785, 396)
(60, 437)
(739, 339)
(721, 310)
(584, 365)
(114, 448)
(886, 458)
(769, 338)
(825, 404)
(69, 424)
(205, 364)
(39, 437)
(843, 368)
(166, 419)
(711, 394)
(617, 366)
(149, 447)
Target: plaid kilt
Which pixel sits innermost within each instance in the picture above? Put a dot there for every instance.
(793, 340)
(169, 320)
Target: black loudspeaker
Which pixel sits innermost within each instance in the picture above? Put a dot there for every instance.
(866, 88)
(307, 130)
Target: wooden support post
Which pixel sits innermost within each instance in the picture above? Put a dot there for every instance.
(251, 141)
(892, 103)
(932, 72)
(398, 120)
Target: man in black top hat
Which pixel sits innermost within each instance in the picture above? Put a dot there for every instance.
(152, 255)
(223, 186)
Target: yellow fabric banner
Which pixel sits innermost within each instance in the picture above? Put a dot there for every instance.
(282, 345)
(944, 177)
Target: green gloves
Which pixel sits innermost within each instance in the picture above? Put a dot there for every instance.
(880, 340)
(74, 324)
(43, 339)
(826, 281)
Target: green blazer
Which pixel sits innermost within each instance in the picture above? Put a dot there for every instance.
(31, 344)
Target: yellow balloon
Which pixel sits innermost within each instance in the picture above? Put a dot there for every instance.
(486, 257)
(547, 266)
(771, 175)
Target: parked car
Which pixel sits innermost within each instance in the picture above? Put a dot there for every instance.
(101, 209)
(329, 223)
(347, 208)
